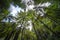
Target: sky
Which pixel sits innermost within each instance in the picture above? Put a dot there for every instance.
(14, 10)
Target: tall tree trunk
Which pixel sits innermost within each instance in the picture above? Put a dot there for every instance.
(9, 35)
(17, 34)
(39, 37)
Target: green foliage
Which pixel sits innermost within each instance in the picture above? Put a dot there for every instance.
(43, 28)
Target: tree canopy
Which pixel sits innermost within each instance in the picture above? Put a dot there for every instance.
(38, 21)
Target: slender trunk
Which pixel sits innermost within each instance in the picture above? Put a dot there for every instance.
(17, 34)
(39, 37)
(9, 35)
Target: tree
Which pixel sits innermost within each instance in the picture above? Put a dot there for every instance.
(45, 27)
